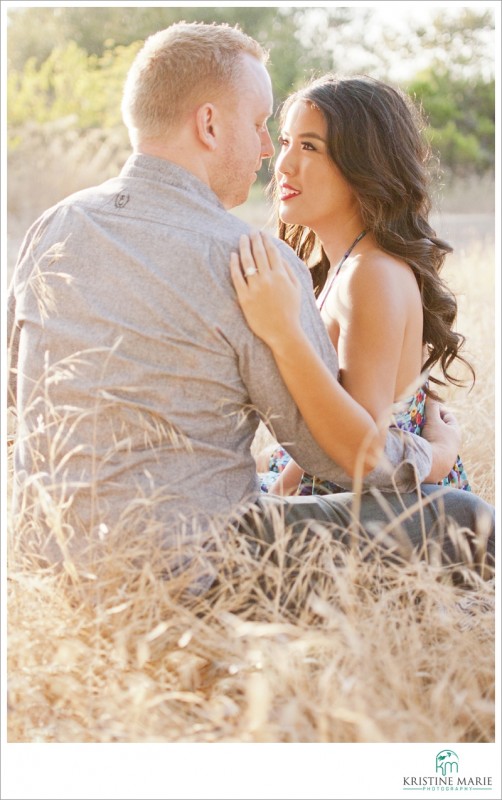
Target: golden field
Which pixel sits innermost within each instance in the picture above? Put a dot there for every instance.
(336, 649)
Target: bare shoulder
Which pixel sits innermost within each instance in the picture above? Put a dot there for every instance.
(377, 263)
(379, 272)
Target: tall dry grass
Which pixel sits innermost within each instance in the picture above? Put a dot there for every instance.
(336, 650)
(470, 274)
(328, 648)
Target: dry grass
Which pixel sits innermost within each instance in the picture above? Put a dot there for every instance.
(52, 161)
(330, 648)
(326, 648)
(471, 276)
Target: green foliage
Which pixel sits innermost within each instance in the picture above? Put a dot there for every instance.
(70, 83)
(77, 68)
(461, 119)
(97, 30)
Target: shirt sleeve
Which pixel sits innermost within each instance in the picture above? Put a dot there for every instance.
(26, 264)
(407, 459)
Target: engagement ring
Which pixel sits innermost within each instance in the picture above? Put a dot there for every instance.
(252, 271)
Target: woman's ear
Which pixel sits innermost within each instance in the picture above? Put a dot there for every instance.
(206, 120)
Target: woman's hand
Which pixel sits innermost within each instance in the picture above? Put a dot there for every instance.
(267, 289)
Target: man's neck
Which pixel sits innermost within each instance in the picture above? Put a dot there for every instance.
(176, 153)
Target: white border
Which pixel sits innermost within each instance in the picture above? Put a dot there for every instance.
(238, 770)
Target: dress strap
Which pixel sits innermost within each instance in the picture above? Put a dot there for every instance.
(349, 251)
(340, 265)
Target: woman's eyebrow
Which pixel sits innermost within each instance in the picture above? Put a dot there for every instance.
(307, 135)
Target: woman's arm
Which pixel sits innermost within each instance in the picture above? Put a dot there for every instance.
(270, 300)
(288, 481)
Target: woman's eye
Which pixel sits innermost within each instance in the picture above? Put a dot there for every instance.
(304, 145)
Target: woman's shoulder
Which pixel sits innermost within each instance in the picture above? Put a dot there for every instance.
(377, 278)
(373, 259)
(374, 266)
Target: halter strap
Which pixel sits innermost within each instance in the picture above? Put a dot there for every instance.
(340, 265)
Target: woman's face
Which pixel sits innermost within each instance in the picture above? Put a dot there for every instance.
(312, 189)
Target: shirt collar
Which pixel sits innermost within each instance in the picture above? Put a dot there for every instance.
(163, 171)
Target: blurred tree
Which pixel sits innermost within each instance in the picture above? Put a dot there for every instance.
(460, 42)
(461, 119)
(278, 29)
(457, 90)
(70, 83)
(77, 68)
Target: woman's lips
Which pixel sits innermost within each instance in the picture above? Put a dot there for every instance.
(288, 192)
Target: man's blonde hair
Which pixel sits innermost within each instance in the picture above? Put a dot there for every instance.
(179, 67)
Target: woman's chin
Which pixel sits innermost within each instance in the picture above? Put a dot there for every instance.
(287, 217)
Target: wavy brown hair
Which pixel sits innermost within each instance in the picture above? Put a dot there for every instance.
(375, 138)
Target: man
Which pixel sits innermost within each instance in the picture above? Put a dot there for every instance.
(139, 385)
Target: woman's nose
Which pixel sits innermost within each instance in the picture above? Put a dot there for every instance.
(284, 163)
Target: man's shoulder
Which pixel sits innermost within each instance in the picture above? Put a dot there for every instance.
(88, 196)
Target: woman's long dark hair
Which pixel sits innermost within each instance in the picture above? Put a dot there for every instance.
(375, 139)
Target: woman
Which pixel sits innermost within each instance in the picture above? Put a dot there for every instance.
(351, 182)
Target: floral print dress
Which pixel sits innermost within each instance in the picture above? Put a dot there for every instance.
(409, 415)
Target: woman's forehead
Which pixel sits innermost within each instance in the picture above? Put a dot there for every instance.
(303, 113)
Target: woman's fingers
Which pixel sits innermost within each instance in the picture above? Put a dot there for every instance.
(270, 299)
(238, 279)
(247, 258)
(276, 261)
(290, 273)
(260, 254)
(273, 255)
(259, 251)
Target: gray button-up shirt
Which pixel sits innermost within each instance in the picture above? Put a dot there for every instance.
(140, 385)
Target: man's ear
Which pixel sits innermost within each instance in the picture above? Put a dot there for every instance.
(206, 120)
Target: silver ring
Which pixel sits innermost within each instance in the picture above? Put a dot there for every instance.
(251, 271)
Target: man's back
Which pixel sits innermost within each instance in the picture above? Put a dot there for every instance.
(135, 321)
(138, 380)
